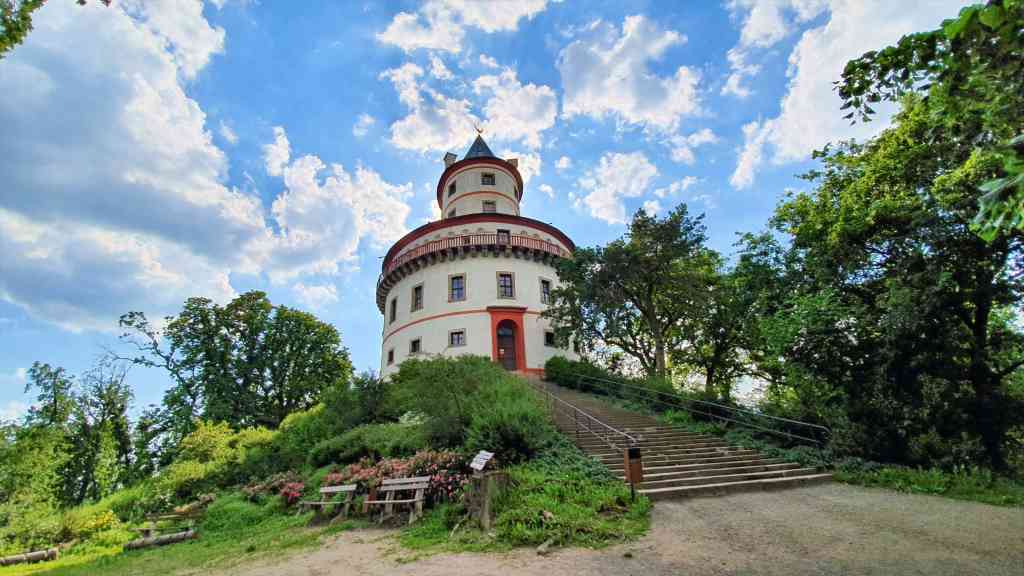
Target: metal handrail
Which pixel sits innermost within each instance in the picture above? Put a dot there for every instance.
(679, 400)
(587, 419)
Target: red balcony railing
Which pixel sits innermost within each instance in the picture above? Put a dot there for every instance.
(497, 241)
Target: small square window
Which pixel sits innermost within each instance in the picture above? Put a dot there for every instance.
(457, 338)
(549, 339)
(414, 346)
(504, 236)
(417, 297)
(490, 206)
(391, 356)
(545, 291)
(457, 288)
(394, 310)
(506, 285)
(487, 179)
(451, 189)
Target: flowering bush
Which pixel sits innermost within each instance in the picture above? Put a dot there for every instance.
(292, 492)
(448, 473)
(271, 485)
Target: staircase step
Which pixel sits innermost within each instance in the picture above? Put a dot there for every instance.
(727, 478)
(663, 463)
(719, 449)
(659, 448)
(717, 470)
(730, 487)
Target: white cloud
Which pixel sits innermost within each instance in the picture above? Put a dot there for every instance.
(515, 111)
(617, 176)
(740, 71)
(324, 213)
(180, 25)
(810, 116)
(676, 187)
(227, 133)
(363, 124)
(548, 190)
(682, 146)
(13, 410)
(114, 197)
(765, 22)
(563, 163)
(529, 164)
(435, 122)
(315, 297)
(488, 61)
(652, 207)
(607, 74)
(440, 24)
(277, 153)
(438, 69)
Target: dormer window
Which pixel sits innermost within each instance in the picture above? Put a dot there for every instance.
(487, 179)
(451, 189)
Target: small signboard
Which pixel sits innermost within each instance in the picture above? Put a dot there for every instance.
(481, 460)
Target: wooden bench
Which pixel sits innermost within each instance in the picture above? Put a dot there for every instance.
(327, 493)
(391, 488)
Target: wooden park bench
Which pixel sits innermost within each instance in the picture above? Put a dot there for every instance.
(391, 488)
(327, 494)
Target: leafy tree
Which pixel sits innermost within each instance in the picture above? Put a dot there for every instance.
(901, 302)
(970, 72)
(639, 291)
(54, 394)
(16, 20)
(247, 363)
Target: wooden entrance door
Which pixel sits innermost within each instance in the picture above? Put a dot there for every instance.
(506, 336)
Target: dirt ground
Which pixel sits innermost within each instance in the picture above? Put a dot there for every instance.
(825, 529)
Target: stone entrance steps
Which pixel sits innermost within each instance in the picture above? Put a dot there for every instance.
(678, 463)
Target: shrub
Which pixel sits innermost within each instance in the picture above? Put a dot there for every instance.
(370, 440)
(510, 421)
(448, 473)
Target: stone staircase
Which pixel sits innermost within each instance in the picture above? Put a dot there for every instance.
(677, 463)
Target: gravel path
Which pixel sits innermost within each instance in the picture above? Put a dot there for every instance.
(826, 529)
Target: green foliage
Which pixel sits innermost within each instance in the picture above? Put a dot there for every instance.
(970, 71)
(471, 402)
(965, 483)
(248, 363)
(16, 22)
(568, 507)
(369, 440)
(645, 293)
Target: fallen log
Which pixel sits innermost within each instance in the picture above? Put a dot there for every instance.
(37, 556)
(160, 540)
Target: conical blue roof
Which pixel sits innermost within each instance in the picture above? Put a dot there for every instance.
(479, 149)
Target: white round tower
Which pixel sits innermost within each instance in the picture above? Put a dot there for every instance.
(476, 281)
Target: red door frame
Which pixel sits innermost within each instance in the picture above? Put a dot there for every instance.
(515, 315)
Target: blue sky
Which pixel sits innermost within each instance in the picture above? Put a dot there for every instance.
(161, 149)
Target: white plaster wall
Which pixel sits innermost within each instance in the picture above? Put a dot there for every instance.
(481, 292)
(467, 181)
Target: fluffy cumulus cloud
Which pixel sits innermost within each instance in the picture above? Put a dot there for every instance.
(435, 122)
(325, 211)
(606, 72)
(682, 146)
(547, 190)
(315, 297)
(529, 164)
(441, 24)
(676, 187)
(438, 69)
(114, 196)
(809, 115)
(488, 61)
(652, 207)
(515, 111)
(563, 163)
(363, 124)
(277, 153)
(616, 177)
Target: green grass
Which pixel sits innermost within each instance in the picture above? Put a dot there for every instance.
(975, 485)
(234, 531)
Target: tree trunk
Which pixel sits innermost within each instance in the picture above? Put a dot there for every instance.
(660, 365)
(987, 410)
